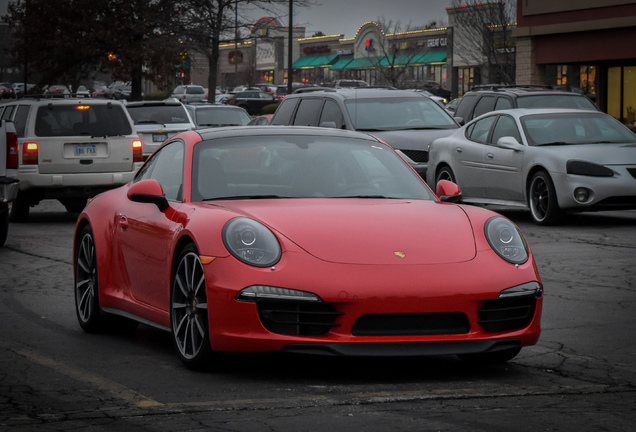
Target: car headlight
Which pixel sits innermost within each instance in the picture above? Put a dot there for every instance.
(506, 240)
(251, 242)
(588, 169)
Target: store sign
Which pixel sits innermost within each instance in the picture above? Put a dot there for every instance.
(435, 43)
(345, 52)
(368, 45)
(316, 49)
(235, 57)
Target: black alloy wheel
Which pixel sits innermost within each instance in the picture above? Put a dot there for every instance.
(542, 200)
(445, 173)
(86, 283)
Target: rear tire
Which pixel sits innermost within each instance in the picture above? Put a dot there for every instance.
(444, 173)
(20, 209)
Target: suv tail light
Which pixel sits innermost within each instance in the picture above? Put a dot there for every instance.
(30, 153)
(13, 151)
(137, 151)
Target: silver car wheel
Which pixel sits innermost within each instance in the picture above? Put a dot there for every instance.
(86, 282)
(542, 200)
(189, 309)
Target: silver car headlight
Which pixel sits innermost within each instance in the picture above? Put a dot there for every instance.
(251, 242)
(506, 240)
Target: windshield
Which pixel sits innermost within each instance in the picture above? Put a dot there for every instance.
(555, 100)
(575, 128)
(158, 114)
(301, 166)
(397, 114)
(82, 120)
(214, 117)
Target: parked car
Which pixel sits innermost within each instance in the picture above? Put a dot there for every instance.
(189, 93)
(209, 115)
(281, 90)
(120, 91)
(156, 121)
(253, 101)
(9, 183)
(406, 120)
(292, 239)
(71, 150)
(546, 160)
(492, 97)
(350, 83)
(267, 88)
(261, 120)
(451, 106)
(57, 90)
(7, 91)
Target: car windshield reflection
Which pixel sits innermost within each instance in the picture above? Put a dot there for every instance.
(274, 167)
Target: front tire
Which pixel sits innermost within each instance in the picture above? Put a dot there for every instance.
(189, 311)
(542, 200)
(4, 223)
(445, 173)
(86, 283)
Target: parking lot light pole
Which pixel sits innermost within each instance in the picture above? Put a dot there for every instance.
(290, 48)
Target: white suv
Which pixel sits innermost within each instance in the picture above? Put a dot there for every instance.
(71, 150)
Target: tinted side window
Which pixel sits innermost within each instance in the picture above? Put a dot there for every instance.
(505, 126)
(331, 113)
(284, 112)
(465, 106)
(6, 115)
(479, 132)
(166, 166)
(485, 104)
(20, 119)
(308, 111)
(503, 103)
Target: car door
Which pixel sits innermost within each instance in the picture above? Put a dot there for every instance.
(503, 166)
(143, 234)
(468, 158)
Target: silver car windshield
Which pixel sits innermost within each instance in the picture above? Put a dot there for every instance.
(575, 128)
(301, 166)
(399, 113)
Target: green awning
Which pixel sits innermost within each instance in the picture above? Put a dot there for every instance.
(363, 63)
(315, 61)
(429, 57)
(340, 64)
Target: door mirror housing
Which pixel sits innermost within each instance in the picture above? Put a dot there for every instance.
(509, 142)
(148, 191)
(447, 191)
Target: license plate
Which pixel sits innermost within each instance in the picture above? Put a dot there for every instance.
(159, 137)
(85, 150)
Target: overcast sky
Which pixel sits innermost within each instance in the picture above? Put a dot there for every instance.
(346, 16)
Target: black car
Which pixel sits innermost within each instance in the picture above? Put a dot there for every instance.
(483, 99)
(253, 101)
(406, 120)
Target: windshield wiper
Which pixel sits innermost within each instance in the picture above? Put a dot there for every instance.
(242, 197)
(556, 143)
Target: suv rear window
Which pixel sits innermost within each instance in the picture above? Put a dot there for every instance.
(155, 114)
(555, 101)
(195, 90)
(81, 120)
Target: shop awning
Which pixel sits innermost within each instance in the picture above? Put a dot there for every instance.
(315, 61)
(363, 63)
(429, 57)
(400, 60)
(340, 64)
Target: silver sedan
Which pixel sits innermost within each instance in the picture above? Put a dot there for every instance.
(546, 160)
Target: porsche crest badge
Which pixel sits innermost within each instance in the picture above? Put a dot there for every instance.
(399, 254)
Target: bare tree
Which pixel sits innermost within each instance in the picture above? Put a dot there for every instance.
(482, 37)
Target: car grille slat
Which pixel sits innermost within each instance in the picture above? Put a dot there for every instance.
(419, 156)
(411, 324)
(507, 314)
(297, 318)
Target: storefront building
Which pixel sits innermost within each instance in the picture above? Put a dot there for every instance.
(586, 46)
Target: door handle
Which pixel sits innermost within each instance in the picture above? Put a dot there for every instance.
(458, 149)
(490, 156)
(122, 221)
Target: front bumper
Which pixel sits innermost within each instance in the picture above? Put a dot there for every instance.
(359, 291)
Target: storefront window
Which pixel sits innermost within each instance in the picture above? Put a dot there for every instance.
(621, 94)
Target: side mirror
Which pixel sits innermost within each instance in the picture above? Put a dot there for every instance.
(329, 124)
(509, 142)
(447, 191)
(148, 191)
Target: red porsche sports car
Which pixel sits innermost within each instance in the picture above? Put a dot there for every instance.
(303, 240)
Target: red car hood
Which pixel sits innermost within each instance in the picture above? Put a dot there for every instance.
(369, 231)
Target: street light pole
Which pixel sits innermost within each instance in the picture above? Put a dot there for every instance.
(290, 48)
(236, 43)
